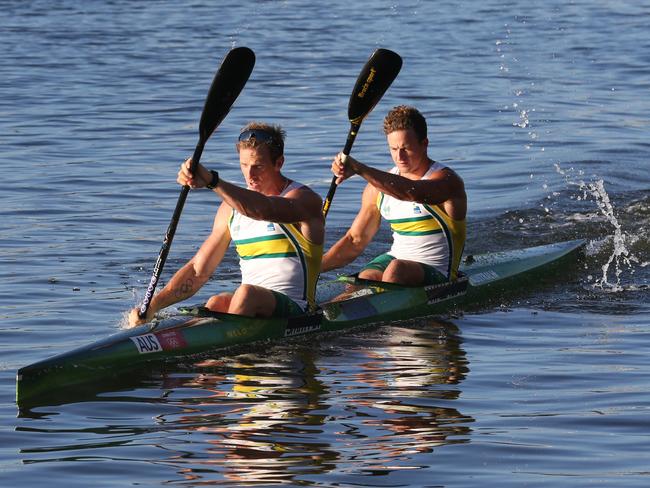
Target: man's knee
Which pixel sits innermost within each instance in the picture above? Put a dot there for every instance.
(245, 292)
(219, 303)
(404, 272)
(370, 274)
(395, 268)
(252, 300)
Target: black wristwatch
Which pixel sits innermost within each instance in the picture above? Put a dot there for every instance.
(214, 181)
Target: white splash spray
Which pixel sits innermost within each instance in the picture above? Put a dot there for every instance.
(505, 50)
(621, 258)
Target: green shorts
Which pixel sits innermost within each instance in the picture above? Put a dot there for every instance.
(431, 275)
(285, 306)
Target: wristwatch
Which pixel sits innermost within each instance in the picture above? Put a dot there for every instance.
(214, 181)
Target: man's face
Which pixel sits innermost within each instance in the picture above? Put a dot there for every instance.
(407, 151)
(258, 168)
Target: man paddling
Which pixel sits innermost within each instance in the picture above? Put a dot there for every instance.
(423, 200)
(277, 227)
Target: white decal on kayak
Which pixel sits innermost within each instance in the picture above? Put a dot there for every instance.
(479, 278)
(303, 324)
(301, 330)
(445, 291)
(147, 343)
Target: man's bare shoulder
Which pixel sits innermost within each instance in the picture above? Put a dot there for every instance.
(443, 172)
(449, 177)
(223, 214)
(304, 193)
(370, 192)
(309, 202)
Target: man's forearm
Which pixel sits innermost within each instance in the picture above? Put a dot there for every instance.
(241, 199)
(343, 252)
(184, 284)
(394, 185)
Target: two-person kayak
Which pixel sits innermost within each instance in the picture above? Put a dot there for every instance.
(351, 303)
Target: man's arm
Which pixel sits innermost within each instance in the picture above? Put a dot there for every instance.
(195, 273)
(442, 188)
(298, 205)
(356, 239)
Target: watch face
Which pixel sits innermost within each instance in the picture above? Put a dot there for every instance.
(214, 180)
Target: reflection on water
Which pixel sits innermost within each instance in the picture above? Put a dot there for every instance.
(291, 411)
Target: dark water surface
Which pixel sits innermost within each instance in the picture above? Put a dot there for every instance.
(543, 109)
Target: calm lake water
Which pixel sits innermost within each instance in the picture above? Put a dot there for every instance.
(543, 109)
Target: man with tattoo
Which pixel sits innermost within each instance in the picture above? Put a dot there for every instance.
(277, 227)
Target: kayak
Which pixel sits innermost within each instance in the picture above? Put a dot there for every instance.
(344, 304)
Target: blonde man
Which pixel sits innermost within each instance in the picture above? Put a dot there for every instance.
(277, 227)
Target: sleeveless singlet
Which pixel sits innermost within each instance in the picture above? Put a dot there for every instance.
(277, 256)
(424, 233)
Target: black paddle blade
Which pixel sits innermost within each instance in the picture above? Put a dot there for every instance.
(373, 81)
(375, 78)
(228, 83)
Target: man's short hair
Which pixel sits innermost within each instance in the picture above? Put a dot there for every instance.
(404, 117)
(256, 134)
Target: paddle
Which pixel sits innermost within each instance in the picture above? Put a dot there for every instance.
(228, 82)
(373, 81)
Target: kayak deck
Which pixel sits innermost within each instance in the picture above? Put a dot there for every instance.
(347, 303)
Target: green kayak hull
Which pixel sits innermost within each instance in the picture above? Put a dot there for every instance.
(197, 331)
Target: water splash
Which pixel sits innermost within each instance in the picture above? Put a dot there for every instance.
(524, 122)
(505, 50)
(621, 258)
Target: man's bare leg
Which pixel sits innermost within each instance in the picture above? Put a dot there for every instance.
(219, 303)
(404, 272)
(252, 301)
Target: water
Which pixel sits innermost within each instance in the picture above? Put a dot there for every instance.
(542, 109)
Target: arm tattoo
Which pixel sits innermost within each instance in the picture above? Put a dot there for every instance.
(184, 289)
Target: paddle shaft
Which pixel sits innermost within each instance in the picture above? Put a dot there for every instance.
(352, 135)
(169, 235)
